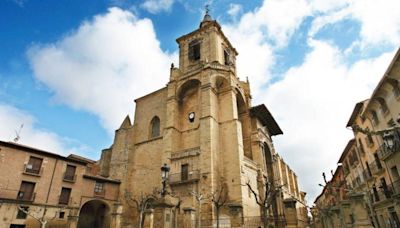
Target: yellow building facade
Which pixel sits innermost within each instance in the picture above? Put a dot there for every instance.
(371, 161)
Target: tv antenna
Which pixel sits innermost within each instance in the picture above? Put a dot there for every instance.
(18, 134)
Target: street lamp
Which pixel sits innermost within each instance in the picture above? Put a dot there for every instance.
(388, 139)
(164, 178)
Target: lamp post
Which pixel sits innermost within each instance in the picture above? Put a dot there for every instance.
(164, 177)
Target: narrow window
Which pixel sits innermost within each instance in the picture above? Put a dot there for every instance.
(26, 191)
(384, 107)
(70, 173)
(65, 195)
(375, 118)
(21, 214)
(378, 162)
(155, 127)
(34, 165)
(185, 172)
(226, 57)
(194, 50)
(61, 215)
(361, 146)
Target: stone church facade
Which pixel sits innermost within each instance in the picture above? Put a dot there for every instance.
(203, 126)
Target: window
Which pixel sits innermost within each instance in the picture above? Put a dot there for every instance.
(194, 50)
(395, 173)
(34, 165)
(391, 123)
(70, 173)
(21, 214)
(64, 197)
(384, 107)
(99, 187)
(375, 118)
(227, 59)
(155, 127)
(377, 161)
(185, 172)
(369, 139)
(361, 146)
(26, 191)
(61, 215)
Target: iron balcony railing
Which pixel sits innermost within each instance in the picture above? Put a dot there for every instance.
(69, 177)
(28, 169)
(64, 200)
(367, 174)
(26, 196)
(375, 167)
(396, 187)
(382, 193)
(387, 149)
(184, 177)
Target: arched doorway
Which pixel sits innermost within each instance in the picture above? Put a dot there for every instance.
(94, 214)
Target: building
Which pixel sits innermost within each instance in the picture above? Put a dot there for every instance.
(371, 161)
(197, 154)
(39, 185)
(217, 145)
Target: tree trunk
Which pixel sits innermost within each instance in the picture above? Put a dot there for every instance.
(265, 217)
(217, 211)
(141, 219)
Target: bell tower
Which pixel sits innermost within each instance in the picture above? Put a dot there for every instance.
(207, 105)
(206, 44)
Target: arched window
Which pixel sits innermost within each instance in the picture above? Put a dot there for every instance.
(155, 127)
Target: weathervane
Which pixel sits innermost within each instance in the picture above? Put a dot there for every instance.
(207, 7)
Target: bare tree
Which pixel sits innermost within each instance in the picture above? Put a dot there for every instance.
(141, 203)
(264, 199)
(199, 198)
(42, 220)
(219, 198)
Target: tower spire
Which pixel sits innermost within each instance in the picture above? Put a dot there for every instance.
(207, 17)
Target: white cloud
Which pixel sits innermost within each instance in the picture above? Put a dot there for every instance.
(234, 9)
(156, 6)
(103, 65)
(312, 104)
(379, 20)
(12, 118)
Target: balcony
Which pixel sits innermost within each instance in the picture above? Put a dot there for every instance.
(28, 169)
(383, 194)
(183, 178)
(396, 187)
(69, 178)
(357, 182)
(391, 144)
(376, 167)
(367, 175)
(26, 196)
(64, 200)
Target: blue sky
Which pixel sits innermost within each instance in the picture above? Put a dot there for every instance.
(70, 70)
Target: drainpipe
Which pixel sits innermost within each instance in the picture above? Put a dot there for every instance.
(43, 222)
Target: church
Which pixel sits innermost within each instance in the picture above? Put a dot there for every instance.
(198, 152)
